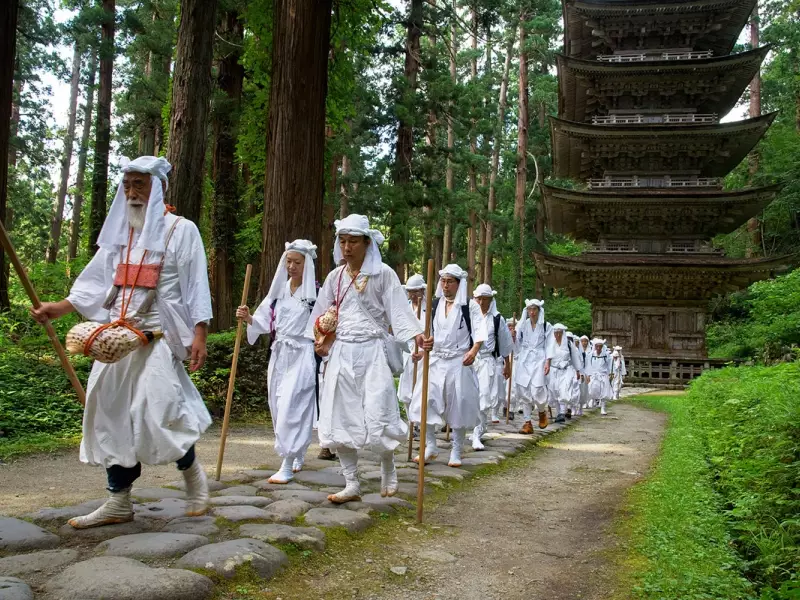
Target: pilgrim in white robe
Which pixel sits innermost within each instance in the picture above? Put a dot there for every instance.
(291, 385)
(405, 387)
(529, 378)
(485, 367)
(564, 363)
(618, 372)
(598, 368)
(453, 395)
(358, 401)
(145, 408)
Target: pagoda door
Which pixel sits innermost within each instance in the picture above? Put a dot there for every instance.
(649, 332)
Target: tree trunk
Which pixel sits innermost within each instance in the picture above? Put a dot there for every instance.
(329, 215)
(147, 130)
(225, 205)
(83, 152)
(191, 95)
(498, 143)
(344, 193)
(400, 215)
(15, 114)
(159, 133)
(472, 231)
(102, 142)
(522, 159)
(8, 43)
(447, 239)
(753, 228)
(66, 159)
(293, 197)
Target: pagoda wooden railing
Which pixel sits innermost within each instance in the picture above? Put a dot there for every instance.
(654, 246)
(667, 181)
(667, 119)
(644, 56)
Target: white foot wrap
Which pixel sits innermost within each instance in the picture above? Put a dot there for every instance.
(455, 452)
(352, 490)
(196, 490)
(603, 407)
(388, 475)
(117, 509)
(431, 450)
(476, 439)
(298, 463)
(285, 473)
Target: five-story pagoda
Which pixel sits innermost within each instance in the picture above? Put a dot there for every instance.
(642, 86)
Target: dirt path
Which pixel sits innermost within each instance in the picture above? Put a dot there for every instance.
(536, 531)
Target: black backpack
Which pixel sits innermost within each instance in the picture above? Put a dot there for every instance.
(466, 318)
(496, 352)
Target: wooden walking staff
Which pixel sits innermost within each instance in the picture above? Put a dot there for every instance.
(510, 377)
(51, 332)
(232, 378)
(413, 386)
(426, 367)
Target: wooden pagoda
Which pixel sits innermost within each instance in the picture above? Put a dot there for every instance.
(642, 87)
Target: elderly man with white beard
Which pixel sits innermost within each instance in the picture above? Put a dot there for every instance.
(150, 273)
(530, 365)
(458, 331)
(498, 345)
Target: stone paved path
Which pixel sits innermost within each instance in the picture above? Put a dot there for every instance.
(248, 520)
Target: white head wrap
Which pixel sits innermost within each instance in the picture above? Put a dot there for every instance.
(415, 282)
(116, 229)
(455, 272)
(596, 341)
(528, 304)
(617, 348)
(615, 354)
(570, 334)
(585, 337)
(308, 289)
(484, 290)
(558, 326)
(359, 225)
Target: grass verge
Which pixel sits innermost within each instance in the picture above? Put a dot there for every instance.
(36, 443)
(675, 539)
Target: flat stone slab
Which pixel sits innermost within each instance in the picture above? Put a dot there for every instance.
(478, 462)
(239, 490)
(12, 588)
(447, 472)
(44, 561)
(303, 537)
(377, 500)
(269, 487)
(233, 477)
(100, 534)
(320, 478)
(333, 517)
(163, 510)
(259, 501)
(193, 526)
(305, 495)
(121, 578)
(156, 493)
(256, 473)
(18, 536)
(286, 511)
(225, 557)
(66, 512)
(240, 513)
(213, 485)
(410, 489)
(151, 545)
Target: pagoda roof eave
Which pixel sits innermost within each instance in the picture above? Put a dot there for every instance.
(718, 81)
(583, 18)
(636, 212)
(573, 141)
(665, 279)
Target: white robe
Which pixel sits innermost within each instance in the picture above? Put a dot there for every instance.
(598, 368)
(145, 408)
(291, 372)
(618, 371)
(485, 364)
(564, 363)
(358, 401)
(452, 387)
(531, 354)
(405, 387)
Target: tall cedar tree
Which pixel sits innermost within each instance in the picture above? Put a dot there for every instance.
(225, 207)
(66, 158)
(8, 43)
(522, 157)
(753, 224)
(83, 153)
(191, 97)
(295, 175)
(102, 142)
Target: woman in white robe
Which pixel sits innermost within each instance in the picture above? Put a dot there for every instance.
(598, 370)
(530, 370)
(415, 288)
(563, 362)
(291, 385)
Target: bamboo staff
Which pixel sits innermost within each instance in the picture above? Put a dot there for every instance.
(423, 425)
(510, 377)
(232, 378)
(413, 386)
(51, 332)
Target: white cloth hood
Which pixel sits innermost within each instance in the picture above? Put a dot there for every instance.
(457, 273)
(359, 225)
(415, 282)
(559, 326)
(528, 304)
(484, 290)
(308, 289)
(154, 165)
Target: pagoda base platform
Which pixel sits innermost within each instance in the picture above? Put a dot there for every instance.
(668, 371)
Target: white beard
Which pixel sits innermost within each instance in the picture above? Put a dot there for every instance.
(136, 215)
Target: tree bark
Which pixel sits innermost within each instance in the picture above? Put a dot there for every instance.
(400, 215)
(344, 192)
(158, 148)
(8, 44)
(225, 205)
(522, 158)
(447, 239)
(753, 227)
(83, 152)
(102, 142)
(191, 96)
(66, 159)
(147, 130)
(472, 231)
(294, 197)
(498, 143)
(15, 114)
(329, 215)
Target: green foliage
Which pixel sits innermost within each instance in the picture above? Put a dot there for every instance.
(679, 544)
(575, 313)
